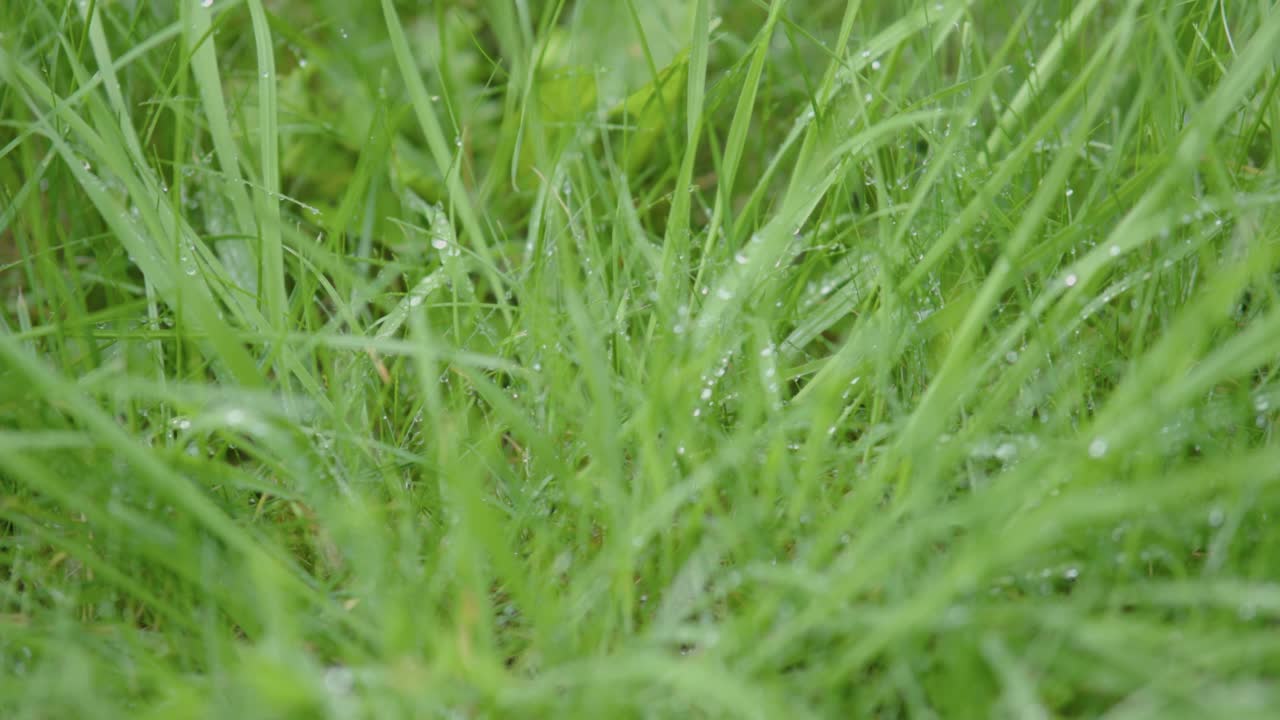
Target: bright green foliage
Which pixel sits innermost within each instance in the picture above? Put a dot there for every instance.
(639, 358)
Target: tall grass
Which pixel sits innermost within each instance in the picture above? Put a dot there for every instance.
(791, 358)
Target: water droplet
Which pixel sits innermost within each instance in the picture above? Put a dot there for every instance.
(206, 3)
(1216, 517)
(875, 64)
(1070, 192)
(1071, 280)
(339, 680)
(1098, 447)
(439, 243)
(706, 393)
(740, 258)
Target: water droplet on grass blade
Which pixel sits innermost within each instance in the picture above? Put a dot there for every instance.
(1216, 517)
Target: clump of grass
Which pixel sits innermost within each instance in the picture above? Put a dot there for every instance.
(794, 358)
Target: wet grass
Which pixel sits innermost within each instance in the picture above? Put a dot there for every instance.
(800, 358)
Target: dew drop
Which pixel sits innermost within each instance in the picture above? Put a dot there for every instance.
(339, 680)
(1216, 517)
(1098, 448)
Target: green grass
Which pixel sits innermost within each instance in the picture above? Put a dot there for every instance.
(648, 358)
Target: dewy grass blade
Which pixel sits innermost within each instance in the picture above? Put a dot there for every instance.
(678, 236)
(446, 162)
(271, 272)
(736, 140)
(198, 36)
